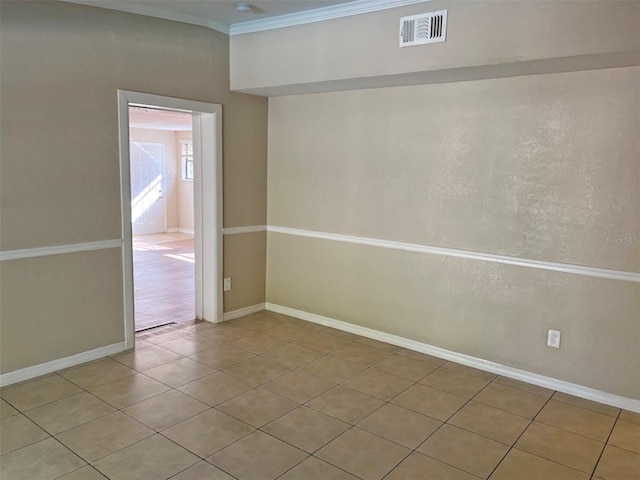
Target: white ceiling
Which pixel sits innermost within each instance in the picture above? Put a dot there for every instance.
(159, 119)
(217, 14)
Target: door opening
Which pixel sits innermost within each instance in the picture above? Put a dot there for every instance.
(158, 216)
(162, 216)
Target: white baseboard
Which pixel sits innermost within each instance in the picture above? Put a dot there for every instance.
(241, 312)
(55, 365)
(59, 364)
(506, 371)
(180, 230)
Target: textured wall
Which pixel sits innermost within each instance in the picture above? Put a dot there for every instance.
(61, 67)
(56, 306)
(543, 167)
(245, 262)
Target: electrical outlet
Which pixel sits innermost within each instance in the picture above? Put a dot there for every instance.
(227, 284)
(553, 338)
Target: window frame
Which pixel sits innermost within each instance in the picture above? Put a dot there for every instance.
(186, 160)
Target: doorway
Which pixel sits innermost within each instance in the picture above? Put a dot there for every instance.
(162, 216)
(144, 203)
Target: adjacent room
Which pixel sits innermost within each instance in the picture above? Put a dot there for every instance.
(320, 239)
(162, 216)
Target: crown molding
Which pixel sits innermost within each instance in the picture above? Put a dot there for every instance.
(357, 7)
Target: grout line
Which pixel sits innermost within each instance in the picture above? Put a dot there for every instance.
(87, 463)
(411, 452)
(585, 408)
(32, 443)
(308, 455)
(186, 468)
(120, 449)
(606, 443)
(315, 458)
(512, 446)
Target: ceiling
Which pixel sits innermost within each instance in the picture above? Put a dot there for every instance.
(153, 119)
(217, 14)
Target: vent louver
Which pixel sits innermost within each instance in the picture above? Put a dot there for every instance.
(424, 28)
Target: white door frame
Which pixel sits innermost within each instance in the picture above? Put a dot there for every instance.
(207, 145)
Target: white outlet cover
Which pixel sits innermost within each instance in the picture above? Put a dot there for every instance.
(553, 339)
(227, 284)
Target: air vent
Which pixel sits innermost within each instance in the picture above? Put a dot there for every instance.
(424, 28)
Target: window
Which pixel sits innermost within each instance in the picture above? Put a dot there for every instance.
(186, 152)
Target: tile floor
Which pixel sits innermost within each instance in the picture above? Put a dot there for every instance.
(269, 396)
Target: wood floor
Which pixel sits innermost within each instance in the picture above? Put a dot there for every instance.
(164, 279)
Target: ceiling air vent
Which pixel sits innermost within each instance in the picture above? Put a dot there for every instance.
(424, 28)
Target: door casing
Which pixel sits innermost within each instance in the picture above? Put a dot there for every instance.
(207, 145)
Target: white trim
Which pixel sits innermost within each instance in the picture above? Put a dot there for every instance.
(124, 141)
(59, 364)
(59, 249)
(180, 230)
(207, 134)
(246, 229)
(452, 252)
(485, 365)
(357, 7)
(242, 312)
(207, 193)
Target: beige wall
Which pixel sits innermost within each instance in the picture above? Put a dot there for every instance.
(244, 202)
(61, 67)
(247, 270)
(541, 167)
(515, 38)
(56, 306)
(245, 199)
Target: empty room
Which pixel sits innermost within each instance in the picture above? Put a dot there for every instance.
(409, 231)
